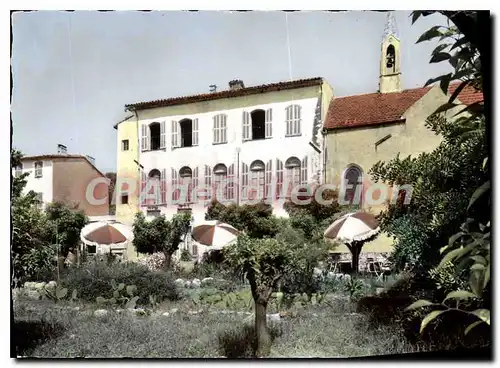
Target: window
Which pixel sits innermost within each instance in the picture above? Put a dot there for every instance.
(257, 171)
(155, 136)
(353, 176)
(19, 170)
(125, 145)
(220, 178)
(220, 129)
(154, 177)
(38, 169)
(124, 199)
(391, 59)
(292, 166)
(258, 124)
(293, 120)
(186, 175)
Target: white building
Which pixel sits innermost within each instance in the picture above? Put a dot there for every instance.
(257, 136)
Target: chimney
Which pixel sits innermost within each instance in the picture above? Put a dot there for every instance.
(91, 159)
(236, 84)
(213, 88)
(61, 148)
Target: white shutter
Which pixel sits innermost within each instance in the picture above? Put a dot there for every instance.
(246, 126)
(279, 178)
(163, 139)
(230, 186)
(175, 131)
(269, 123)
(303, 171)
(268, 179)
(142, 194)
(195, 132)
(163, 186)
(297, 120)
(144, 137)
(175, 194)
(208, 183)
(215, 129)
(288, 121)
(244, 181)
(223, 129)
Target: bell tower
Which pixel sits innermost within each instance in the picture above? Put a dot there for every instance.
(390, 72)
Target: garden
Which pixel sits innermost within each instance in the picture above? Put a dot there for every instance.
(273, 292)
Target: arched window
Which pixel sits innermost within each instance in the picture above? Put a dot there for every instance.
(186, 126)
(257, 171)
(155, 136)
(293, 120)
(154, 178)
(186, 181)
(19, 170)
(391, 58)
(353, 176)
(220, 179)
(258, 124)
(292, 166)
(220, 128)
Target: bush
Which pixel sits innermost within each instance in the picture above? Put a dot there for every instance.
(185, 256)
(27, 334)
(241, 341)
(94, 279)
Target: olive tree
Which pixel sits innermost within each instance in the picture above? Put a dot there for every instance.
(264, 261)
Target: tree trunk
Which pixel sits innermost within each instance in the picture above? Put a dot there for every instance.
(168, 260)
(355, 249)
(263, 337)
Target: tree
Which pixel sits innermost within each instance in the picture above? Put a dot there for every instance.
(160, 235)
(264, 261)
(256, 220)
(65, 223)
(111, 191)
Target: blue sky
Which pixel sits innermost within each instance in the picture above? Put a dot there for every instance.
(74, 72)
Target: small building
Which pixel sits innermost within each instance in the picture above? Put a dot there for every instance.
(68, 178)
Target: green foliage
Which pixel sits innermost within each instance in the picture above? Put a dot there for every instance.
(447, 278)
(160, 234)
(256, 220)
(94, 279)
(57, 293)
(185, 255)
(354, 287)
(241, 341)
(122, 296)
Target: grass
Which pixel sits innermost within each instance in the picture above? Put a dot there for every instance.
(320, 331)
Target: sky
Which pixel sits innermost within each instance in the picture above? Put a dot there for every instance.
(73, 72)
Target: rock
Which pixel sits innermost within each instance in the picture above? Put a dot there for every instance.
(187, 284)
(179, 282)
(166, 314)
(346, 277)
(76, 308)
(174, 310)
(32, 294)
(140, 312)
(193, 312)
(379, 291)
(196, 283)
(273, 317)
(51, 285)
(207, 281)
(317, 272)
(72, 336)
(100, 313)
(29, 285)
(39, 285)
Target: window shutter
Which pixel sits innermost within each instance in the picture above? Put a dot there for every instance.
(163, 142)
(144, 137)
(279, 178)
(223, 129)
(246, 126)
(303, 171)
(194, 184)
(269, 123)
(288, 121)
(175, 131)
(208, 183)
(142, 194)
(244, 181)
(175, 193)
(230, 185)
(298, 120)
(195, 132)
(215, 129)
(268, 178)
(163, 186)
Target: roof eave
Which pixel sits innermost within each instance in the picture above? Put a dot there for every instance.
(365, 125)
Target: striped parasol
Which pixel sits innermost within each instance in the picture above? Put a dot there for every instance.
(214, 234)
(356, 226)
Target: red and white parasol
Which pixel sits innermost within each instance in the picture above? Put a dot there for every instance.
(214, 234)
(356, 226)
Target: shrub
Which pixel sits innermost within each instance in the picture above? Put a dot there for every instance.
(27, 334)
(241, 341)
(185, 256)
(94, 280)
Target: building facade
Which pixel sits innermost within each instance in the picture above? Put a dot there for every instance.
(238, 145)
(71, 179)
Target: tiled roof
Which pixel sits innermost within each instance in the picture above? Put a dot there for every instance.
(301, 83)
(379, 108)
(55, 156)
